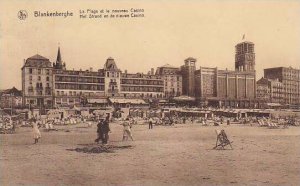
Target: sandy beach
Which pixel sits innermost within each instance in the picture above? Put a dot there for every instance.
(165, 155)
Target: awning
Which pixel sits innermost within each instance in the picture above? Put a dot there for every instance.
(163, 101)
(184, 98)
(99, 100)
(274, 104)
(125, 101)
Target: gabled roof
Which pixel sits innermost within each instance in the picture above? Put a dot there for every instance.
(13, 91)
(263, 81)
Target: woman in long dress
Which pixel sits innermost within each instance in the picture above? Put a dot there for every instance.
(127, 130)
(36, 132)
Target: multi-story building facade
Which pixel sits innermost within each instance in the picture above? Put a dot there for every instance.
(141, 86)
(270, 90)
(244, 56)
(172, 80)
(10, 98)
(37, 81)
(68, 87)
(188, 76)
(290, 79)
(223, 87)
(206, 82)
(46, 86)
(263, 90)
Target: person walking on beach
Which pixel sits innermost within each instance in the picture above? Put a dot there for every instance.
(105, 130)
(99, 130)
(150, 123)
(127, 130)
(36, 132)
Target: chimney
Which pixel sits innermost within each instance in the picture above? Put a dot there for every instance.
(125, 71)
(91, 69)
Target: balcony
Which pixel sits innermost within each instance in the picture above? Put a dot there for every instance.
(48, 90)
(39, 88)
(113, 91)
(112, 83)
(30, 89)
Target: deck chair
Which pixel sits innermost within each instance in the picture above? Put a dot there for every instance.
(272, 125)
(263, 123)
(222, 140)
(260, 123)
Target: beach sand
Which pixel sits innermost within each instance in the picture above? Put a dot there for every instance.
(165, 155)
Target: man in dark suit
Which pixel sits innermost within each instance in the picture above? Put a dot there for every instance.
(106, 129)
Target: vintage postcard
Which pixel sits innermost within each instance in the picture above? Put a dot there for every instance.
(151, 92)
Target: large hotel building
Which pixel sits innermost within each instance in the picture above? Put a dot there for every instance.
(46, 84)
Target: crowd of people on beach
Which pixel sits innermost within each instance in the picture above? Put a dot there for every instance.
(103, 128)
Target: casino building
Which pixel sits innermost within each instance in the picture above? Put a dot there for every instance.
(224, 88)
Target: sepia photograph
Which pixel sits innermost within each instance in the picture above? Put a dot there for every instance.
(149, 93)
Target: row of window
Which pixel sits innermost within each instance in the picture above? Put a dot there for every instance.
(39, 71)
(79, 87)
(142, 89)
(77, 93)
(79, 79)
(141, 82)
(142, 95)
(67, 100)
(39, 78)
(112, 74)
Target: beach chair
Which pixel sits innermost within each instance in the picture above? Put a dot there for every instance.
(263, 123)
(222, 140)
(259, 123)
(272, 125)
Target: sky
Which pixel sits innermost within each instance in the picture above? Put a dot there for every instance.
(169, 33)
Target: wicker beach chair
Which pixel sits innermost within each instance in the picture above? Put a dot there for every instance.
(222, 140)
